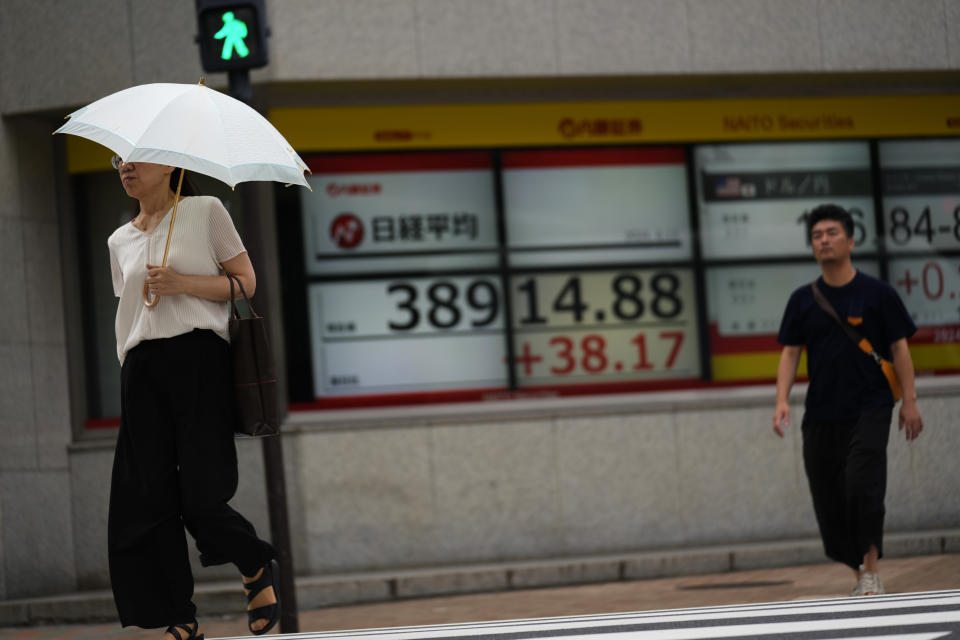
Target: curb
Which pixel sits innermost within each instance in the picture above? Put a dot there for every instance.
(316, 592)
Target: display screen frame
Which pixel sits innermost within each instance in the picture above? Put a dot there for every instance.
(714, 369)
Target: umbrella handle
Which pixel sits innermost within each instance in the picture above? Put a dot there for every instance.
(147, 301)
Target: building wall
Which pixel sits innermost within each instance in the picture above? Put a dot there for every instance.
(53, 57)
(36, 514)
(389, 489)
(576, 477)
(385, 490)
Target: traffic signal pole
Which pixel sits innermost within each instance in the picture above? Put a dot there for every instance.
(272, 447)
(232, 35)
(240, 85)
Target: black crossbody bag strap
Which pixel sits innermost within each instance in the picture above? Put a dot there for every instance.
(886, 367)
(847, 328)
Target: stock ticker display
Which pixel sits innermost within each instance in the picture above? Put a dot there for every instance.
(483, 273)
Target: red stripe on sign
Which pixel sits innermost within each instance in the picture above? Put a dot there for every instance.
(395, 399)
(601, 388)
(101, 423)
(944, 334)
(396, 162)
(500, 394)
(719, 345)
(741, 344)
(591, 157)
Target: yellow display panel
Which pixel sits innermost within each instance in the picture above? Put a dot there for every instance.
(763, 365)
(84, 156)
(652, 121)
(750, 366)
(936, 357)
(582, 123)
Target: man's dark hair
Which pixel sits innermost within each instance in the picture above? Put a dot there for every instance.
(830, 212)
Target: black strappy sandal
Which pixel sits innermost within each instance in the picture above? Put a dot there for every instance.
(172, 630)
(269, 612)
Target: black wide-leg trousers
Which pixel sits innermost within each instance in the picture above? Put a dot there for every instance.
(846, 465)
(175, 467)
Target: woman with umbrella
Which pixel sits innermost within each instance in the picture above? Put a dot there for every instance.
(175, 464)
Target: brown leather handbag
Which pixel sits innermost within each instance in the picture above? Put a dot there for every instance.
(254, 373)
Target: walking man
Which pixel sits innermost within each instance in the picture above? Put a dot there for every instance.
(849, 403)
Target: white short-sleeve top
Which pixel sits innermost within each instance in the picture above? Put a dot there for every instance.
(203, 238)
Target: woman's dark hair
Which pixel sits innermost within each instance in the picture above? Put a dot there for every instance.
(189, 188)
(830, 212)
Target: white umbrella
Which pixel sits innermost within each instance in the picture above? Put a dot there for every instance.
(189, 126)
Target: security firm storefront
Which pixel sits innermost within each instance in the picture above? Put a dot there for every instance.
(603, 247)
(489, 252)
(541, 330)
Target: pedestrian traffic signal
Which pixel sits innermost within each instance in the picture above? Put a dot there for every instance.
(233, 34)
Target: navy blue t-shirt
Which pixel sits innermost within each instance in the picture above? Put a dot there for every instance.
(843, 379)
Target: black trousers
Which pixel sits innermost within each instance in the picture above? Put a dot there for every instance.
(175, 466)
(846, 464)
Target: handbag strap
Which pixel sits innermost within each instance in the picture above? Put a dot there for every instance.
(854, 335)
(233, 300)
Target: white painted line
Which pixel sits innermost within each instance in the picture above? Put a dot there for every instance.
(776, 628)
(888, 601)
(545, 626)
(902, 636)
(548, 626)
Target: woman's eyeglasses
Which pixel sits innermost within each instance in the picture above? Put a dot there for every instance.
(117, 162)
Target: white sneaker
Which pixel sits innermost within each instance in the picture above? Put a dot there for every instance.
(869, 585)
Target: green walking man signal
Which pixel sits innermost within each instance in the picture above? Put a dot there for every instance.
(232, 34)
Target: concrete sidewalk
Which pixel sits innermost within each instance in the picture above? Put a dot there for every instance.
(901, 575)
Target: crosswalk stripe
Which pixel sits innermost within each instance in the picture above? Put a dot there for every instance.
(776, 628)
(545, 626)
(900, 636)
(774, 618)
